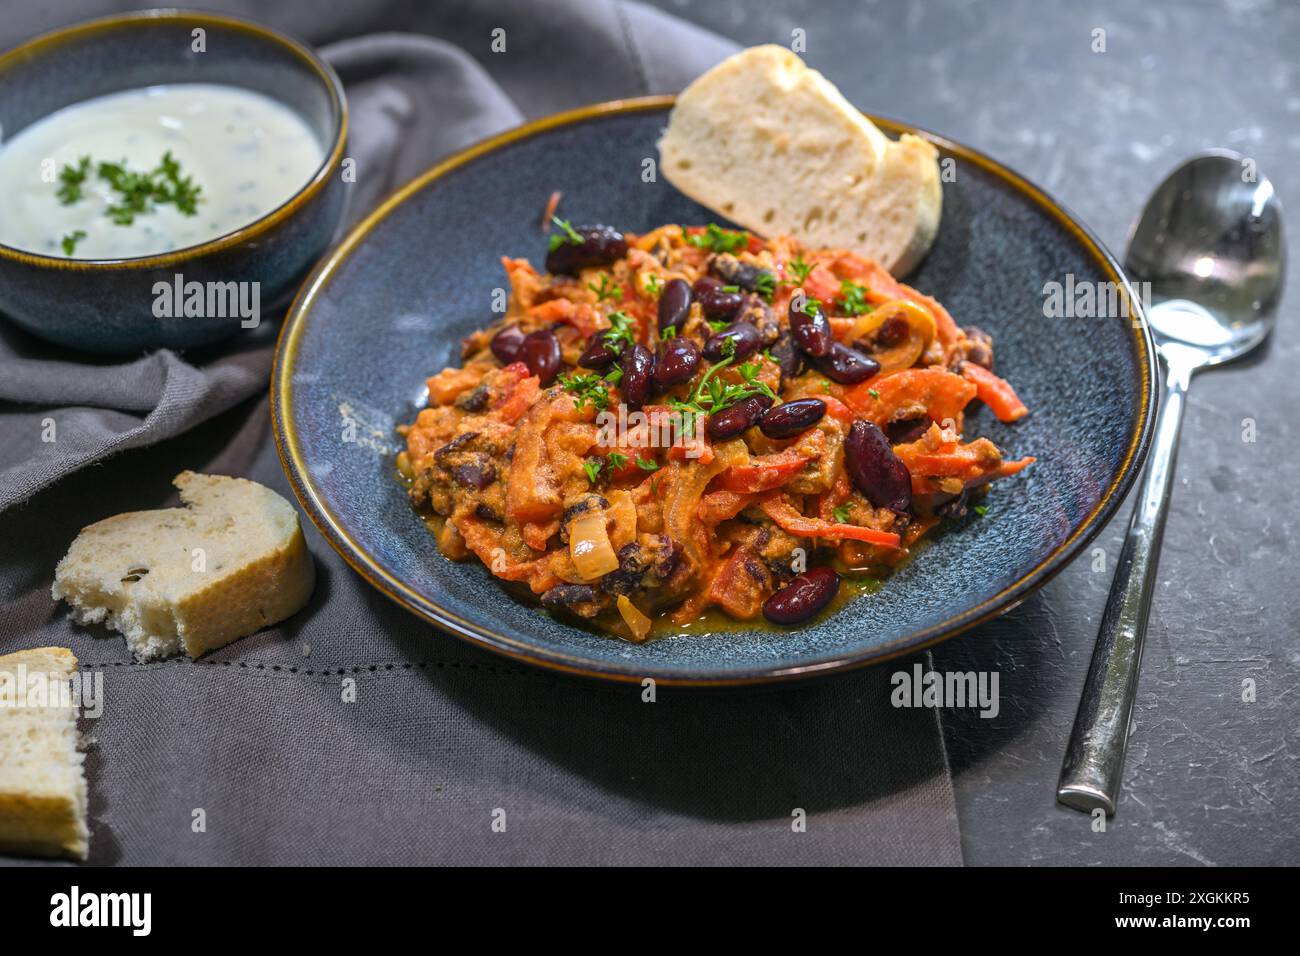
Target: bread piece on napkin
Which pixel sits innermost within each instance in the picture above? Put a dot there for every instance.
(42, 786)
(192, 579)
(775, 147)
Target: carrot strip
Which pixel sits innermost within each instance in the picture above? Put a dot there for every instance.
(790, 520)
(718, 506)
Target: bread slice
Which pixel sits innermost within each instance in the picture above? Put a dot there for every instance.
(190, 579)
(775, 147)
(42, 785)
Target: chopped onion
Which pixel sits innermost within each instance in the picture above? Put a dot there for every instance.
(920, 333)
(636, 621)
(589, 546)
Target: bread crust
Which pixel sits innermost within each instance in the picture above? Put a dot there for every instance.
(773, 146)
(42, 797)
(191, 579)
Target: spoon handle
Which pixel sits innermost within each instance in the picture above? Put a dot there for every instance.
(1094, 760)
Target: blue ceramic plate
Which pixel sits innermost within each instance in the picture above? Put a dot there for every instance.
(390, 306)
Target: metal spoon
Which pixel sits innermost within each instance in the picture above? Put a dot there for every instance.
(1209, 242)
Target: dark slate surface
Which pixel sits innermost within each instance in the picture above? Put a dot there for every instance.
(1210, 779)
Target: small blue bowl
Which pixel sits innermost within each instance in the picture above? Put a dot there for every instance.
(106, 305)
(391, 304)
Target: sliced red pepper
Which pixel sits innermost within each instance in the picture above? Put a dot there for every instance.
(821, 285)
(995, 392)
(764, 472)
(836, 409)
(941, 393)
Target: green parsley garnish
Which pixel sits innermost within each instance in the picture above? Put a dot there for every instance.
(765, 284)
(799, 269)
(138, 193)
(647, 465)
(70, 241)
(620, 333)
(731, 288)
(981, 510)
(607, 289)
(841, 514)
(668, 333)
(717, 239)
(141, 193)
(712, 395)
(873, 393)
(586, 389)
(853, 298)
(566, 234)
(654, 285)
(614, 461)
(70, 180)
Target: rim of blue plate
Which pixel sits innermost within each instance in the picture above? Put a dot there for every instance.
(365, 564)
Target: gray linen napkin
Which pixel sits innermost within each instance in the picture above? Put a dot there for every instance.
(442, 739)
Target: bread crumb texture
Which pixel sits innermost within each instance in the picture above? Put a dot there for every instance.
(778, 149)
(191, 579)
(42, 784)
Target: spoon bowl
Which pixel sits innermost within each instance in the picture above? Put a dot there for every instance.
(1209, 244)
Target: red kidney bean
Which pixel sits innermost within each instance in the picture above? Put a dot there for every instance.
(874, 469)
(678, 361)
(791, 418)
(599, 355)
(746, 336)
(674, 305)
(638, 367)
(507, 343)
(979, 348)
(846, 366)
(541, 353)
(892, 332)
(811, 331)
(789, 358)
(907, 430)
(477, 473)
(600, 246)
(803, 597)
(730, 422)
(734, 272)
(716, 303)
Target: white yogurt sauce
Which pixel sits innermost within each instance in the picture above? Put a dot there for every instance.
(247, 152)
